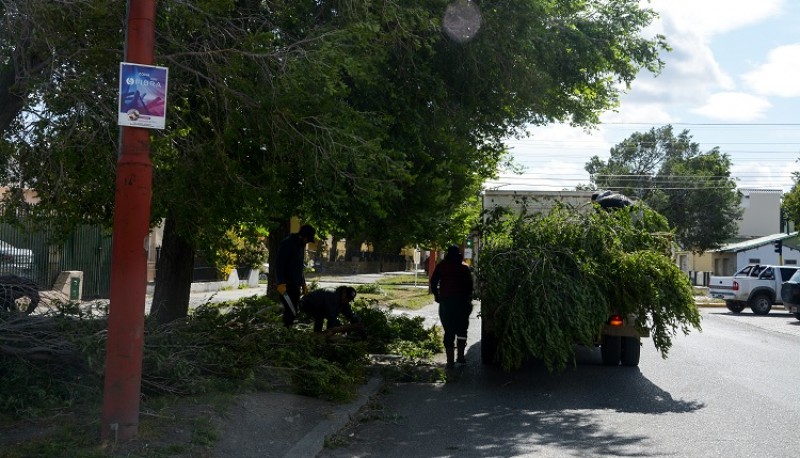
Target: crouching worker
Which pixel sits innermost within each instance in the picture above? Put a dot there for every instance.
(326, 304)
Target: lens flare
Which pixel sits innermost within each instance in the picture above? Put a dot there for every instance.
(462, 20)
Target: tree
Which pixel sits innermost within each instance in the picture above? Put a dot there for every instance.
(692, 189)
(790, 207)
(362, 118)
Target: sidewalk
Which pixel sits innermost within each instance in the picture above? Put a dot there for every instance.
(269, 424)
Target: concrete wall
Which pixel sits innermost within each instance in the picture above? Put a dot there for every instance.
(536, 201)
(363, 267)
(762, 212)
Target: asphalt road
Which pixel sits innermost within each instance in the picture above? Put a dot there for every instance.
(728, 391)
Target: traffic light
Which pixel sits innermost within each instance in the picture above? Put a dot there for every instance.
(778, 244)
(469, 242)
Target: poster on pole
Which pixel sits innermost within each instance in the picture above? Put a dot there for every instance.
(142, 95)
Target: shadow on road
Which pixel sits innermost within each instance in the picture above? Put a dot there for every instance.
(771, 314)
(485, 412)
(587, 385)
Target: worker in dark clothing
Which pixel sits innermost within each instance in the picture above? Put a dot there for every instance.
(451, 285)
(326, 304)
(290, 271)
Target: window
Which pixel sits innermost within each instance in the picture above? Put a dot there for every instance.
(787, 272)
(790, 262)
(754, 261)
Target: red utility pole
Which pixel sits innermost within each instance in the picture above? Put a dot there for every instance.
(123, 374)
(432, 262)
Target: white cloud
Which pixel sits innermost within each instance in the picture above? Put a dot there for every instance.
(779, 76)
(635, 112)
(711, 17)
(691, 70)
(750, 175)
(734, 107)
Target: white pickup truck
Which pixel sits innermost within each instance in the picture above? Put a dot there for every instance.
(756, 286)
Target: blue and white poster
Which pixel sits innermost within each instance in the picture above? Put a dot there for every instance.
(142, 95)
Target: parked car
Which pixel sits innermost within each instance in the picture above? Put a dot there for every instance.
(15, 260)
(756, 286)
(790, 293)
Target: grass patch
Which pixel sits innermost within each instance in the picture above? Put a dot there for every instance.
(405, 279)
(406, 297)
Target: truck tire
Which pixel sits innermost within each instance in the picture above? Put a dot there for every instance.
(488, 347)
(611, 350)
(797, 315)
(760, 304)
(735, 306)
(631, 350)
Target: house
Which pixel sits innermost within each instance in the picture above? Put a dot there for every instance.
(759, 227)
(777, 249)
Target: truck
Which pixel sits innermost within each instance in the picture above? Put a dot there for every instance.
(756, 286)
(619, 338)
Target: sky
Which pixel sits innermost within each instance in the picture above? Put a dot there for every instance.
(732, 80)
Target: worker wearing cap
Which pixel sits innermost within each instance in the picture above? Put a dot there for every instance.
(326, 304)
(290, 271)
(451, 285)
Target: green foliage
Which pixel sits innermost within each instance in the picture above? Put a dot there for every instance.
(403, 335)
(364, 118)
(240, 247)
(550, 281)
(58, 378)
(692, 189)
(791, 201)
(369, 288)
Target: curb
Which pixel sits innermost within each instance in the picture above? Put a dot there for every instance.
(314, 442)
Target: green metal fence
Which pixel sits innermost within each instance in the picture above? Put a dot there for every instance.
(87, 249)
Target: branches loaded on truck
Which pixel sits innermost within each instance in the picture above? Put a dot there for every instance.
(566, 268)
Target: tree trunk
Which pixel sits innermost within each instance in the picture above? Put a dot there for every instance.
(10, 102)
(352, 249)
(173, 276)
(333, 253)
(276, 234)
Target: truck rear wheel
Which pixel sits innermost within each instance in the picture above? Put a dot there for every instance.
(734, 306)
(760, 304)
(488, 346)
(631, 350)
(611, 350)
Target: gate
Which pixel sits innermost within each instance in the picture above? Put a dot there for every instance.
(41, 256)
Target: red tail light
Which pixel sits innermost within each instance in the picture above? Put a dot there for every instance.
(736, 286)
(615, 320)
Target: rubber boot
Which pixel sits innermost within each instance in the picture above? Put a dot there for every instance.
(462, 345)
(449, 351)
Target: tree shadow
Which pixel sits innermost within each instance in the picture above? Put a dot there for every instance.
(772, 314)
(587, 385)
(483, 411)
